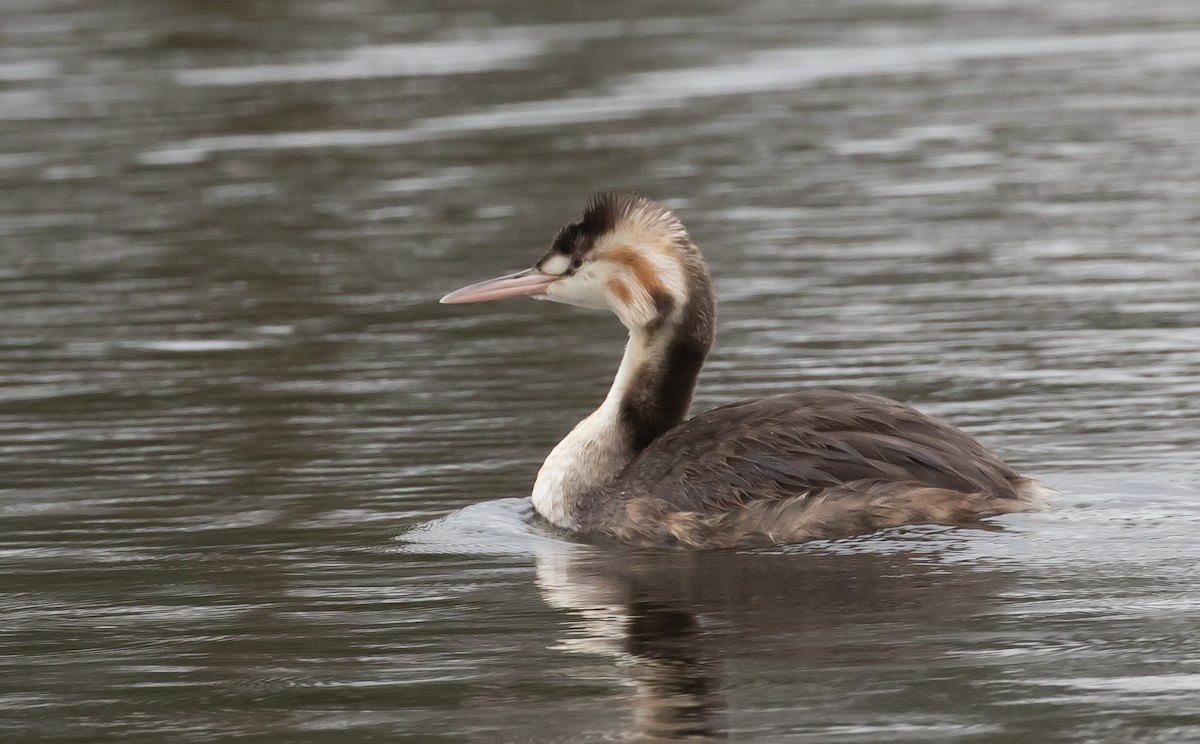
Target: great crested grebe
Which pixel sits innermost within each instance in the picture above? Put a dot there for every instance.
(788, 468)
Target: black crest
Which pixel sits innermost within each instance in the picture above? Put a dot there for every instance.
(603, 212)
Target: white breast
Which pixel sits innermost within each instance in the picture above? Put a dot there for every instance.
(596, 449)
(585, 459)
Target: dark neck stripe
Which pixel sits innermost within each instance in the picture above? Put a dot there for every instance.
(660, 394)
(659, 397)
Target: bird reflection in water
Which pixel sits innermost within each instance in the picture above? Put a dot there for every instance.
(675, 619)
(677, 687)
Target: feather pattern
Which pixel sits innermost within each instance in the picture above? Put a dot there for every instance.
(817, 464)
(805, 466)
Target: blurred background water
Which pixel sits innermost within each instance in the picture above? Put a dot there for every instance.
(258, 486)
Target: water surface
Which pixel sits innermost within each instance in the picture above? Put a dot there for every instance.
(258, 486)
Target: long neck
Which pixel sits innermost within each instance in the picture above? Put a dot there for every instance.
(654, 385)
(650, 395)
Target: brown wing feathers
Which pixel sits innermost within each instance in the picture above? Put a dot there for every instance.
(819, 464)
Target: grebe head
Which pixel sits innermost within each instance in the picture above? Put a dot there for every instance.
(627, 254)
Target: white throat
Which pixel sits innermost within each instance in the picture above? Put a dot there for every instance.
(597, 448)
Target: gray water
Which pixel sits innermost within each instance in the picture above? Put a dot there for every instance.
(259, 486)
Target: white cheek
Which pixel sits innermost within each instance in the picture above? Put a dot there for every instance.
(556, 265)
(585, 289)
